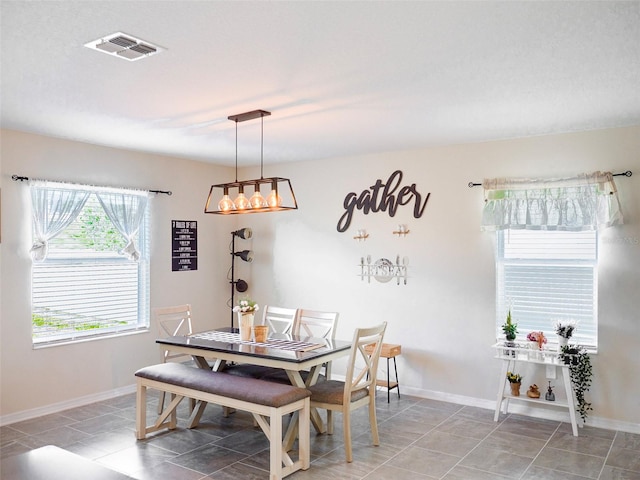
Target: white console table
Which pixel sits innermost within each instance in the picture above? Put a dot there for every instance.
(520, 352)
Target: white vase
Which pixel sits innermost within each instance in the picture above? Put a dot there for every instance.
(562, 342)
(245, 322)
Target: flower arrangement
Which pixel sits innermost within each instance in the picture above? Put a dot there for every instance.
(514, 377)
(509, 328)
(246, 306)
(537, 337)
(565, 328)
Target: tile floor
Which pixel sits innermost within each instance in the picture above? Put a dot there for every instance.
(420, 439)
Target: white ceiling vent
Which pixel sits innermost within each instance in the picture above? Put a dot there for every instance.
(124, 46)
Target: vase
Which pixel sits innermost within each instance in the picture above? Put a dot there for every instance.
(245, 322)
(515, 389)
(562, 342)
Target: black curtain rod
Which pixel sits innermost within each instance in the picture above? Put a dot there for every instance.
(18, 178)
(623, 174)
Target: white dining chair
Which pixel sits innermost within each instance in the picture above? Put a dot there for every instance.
(172, 321)
(279, 319)
(358, 389)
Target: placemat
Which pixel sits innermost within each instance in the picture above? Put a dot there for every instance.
(282, 344)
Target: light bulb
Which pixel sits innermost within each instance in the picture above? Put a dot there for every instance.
(273, 199)
(257, 200)
(226, 204)
(242, 202)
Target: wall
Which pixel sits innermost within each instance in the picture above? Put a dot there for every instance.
(443, 317)
(34, 379)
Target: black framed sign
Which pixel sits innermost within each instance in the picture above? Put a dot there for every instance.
(184, 245)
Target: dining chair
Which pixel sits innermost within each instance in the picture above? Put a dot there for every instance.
(278, 319)
(359, 387)
(317, 324)
(172, 321)
(311, 323)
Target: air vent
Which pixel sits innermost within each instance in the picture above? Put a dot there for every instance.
(124, 46)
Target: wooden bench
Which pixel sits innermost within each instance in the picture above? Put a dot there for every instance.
(268, 403)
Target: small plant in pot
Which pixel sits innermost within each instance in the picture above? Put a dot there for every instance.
(515, 380)
(580, 372)
(509, 328)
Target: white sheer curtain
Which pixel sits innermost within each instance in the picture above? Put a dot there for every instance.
(54, 207)
(585, 202)
(126, 211)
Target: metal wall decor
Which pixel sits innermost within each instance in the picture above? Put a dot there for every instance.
(383, 197)
(384, 270)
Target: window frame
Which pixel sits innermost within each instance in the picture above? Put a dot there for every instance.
(142, 283)
(585, 267)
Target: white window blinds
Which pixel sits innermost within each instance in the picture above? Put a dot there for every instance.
(88, 284)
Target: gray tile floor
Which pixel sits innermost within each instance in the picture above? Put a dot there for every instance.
(420, 439)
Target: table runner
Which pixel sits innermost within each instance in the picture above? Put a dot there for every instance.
(282, 344)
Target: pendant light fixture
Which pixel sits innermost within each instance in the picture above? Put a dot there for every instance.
(256, 203)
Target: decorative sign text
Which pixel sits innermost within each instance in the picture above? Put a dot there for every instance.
(184, 245)
(382, 197)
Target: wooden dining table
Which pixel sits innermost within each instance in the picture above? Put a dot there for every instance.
(215, 348)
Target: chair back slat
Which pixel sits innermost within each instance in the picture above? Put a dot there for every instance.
(362, 368)
(173, 321)
(314, 323)
(279, 319)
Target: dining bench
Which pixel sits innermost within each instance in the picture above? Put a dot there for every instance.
(268, 403)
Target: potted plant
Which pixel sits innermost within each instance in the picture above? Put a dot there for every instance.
(564, 329)
(580, 372)
(515, 380)
(509, 328)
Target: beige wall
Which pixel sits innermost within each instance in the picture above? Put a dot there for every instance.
(443, 317)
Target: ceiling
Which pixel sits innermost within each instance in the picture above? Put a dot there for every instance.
(340, 78)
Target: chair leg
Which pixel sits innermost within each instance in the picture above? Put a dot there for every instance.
(346, 422)
(330, 422)
(374, 421)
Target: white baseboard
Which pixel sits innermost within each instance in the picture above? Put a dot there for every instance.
(66, 405)
(546, 413)
(550, 413)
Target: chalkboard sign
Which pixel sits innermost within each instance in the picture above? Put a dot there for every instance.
(184, 245)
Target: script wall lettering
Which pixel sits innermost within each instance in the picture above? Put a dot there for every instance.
(382, 197)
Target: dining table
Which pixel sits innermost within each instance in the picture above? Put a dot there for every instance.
(214, 349)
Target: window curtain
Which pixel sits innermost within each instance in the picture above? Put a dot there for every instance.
(586, 202)
(126, 212)
(53, 209)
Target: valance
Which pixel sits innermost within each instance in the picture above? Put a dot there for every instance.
(585, 202)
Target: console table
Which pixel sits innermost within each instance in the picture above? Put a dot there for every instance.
(388, 351)
(514, 352)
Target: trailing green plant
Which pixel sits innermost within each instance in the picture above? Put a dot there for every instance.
(581, 373)
(509, 328)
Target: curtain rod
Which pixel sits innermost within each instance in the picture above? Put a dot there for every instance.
(18, 178)
(625, 174)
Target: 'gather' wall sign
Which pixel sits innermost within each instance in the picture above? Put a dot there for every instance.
(382, 197)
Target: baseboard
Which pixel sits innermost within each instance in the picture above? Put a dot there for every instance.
(66, 405)
(550, 413)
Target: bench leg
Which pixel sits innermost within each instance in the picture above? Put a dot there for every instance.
(304, 432)
(275, 452)
(141, 411)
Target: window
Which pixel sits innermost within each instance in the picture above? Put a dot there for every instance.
(545, 276)
(90, 281)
